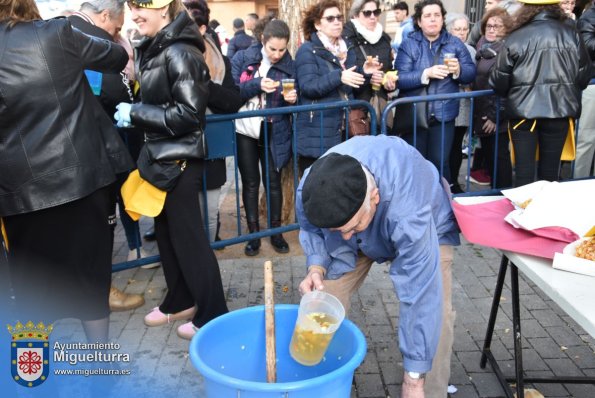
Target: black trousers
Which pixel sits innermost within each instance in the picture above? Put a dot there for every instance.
(189, 264)
(504, 165)
(60, 259)
(550, 134)
(251, 152)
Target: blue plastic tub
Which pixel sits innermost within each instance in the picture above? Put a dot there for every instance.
(230, 353)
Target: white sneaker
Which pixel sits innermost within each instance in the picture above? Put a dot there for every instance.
(132, 255)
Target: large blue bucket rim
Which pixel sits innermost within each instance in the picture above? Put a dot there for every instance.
(246, 385)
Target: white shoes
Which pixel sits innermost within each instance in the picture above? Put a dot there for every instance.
(132, 255)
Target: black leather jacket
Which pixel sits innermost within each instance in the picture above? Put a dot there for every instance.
(542, 70)
(586, 28)
(174, 82)
(113, 88)
(57, 144)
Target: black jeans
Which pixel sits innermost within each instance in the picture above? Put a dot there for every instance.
(550, 134)
(456, 154)
(250, 152)
(189, 264)
(504, 165)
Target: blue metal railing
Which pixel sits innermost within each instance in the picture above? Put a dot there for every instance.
(229, 148)
(294, 110)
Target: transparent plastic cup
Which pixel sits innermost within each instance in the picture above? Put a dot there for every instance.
(319, 316)
(450, 59)
(288, 85)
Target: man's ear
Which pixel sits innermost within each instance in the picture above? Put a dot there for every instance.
(104, 16)
(375, 196)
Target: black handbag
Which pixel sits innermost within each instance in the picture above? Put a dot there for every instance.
(187, 146)
(161, 174)
(405, 114)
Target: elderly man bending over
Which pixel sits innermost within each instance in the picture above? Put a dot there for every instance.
(376, 199)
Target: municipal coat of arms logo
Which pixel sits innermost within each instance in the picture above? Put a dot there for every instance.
(30, 353)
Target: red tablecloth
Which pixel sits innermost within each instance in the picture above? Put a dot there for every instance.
(484, 224)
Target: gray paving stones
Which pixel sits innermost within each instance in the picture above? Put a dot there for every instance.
(552, 342)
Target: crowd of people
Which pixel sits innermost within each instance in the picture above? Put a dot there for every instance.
(65, 167)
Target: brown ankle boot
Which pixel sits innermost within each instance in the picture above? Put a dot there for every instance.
(120, 301)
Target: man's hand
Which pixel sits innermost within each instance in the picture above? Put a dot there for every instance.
(412, 388)
(313, 280)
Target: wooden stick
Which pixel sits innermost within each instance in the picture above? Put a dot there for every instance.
(269, 308)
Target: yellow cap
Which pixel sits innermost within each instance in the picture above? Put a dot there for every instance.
(539, 2)
(150, 3)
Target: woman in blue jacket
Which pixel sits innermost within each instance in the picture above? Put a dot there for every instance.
(258, 72)
(326, 72)
(420, 63)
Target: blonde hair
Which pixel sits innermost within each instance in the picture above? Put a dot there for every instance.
(14, 11)
(174, 8)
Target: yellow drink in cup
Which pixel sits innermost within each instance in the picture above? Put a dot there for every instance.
(288, 85)
(308, 346)
(450, 59)
(319, 316)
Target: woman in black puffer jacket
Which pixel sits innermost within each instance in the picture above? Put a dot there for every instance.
(174, 93)
(541, 71)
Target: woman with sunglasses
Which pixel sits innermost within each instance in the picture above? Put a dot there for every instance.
(174, 88)
(364, 31)
(495, 25)
(421, 64)
(326, 71)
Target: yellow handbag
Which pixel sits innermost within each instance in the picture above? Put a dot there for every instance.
(141, 198)
(568, 152)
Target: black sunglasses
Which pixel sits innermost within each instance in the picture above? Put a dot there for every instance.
(368, 13)
(331, 18)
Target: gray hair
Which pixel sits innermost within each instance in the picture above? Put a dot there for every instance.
(115, 7)
(357, 6)
(453, 17)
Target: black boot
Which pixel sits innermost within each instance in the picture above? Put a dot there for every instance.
(279, 243)
(253, 247)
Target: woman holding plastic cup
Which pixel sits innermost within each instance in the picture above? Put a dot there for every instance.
(364, 31)
(421, 64)
(259, 71)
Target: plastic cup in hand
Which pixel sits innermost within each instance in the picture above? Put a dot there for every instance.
(288, 85)
(319, 316)
(450, 59)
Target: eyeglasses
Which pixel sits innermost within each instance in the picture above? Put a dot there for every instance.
(460, 29)
(331, 18)
(494, 27)
(368, 13)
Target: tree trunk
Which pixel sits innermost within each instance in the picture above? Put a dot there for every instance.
(290, 11)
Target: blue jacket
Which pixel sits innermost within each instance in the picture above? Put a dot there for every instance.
(318, 74)
(412, 219)
(247, 62)
(416, 53)
(240, 41)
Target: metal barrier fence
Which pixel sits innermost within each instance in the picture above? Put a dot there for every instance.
(221, 141)
(220, 132)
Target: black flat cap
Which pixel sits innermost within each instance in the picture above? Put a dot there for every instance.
(334, 190)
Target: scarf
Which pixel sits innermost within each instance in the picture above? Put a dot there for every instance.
(371, 36)
(339, 49)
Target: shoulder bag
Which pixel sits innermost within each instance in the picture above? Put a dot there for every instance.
(405, 113)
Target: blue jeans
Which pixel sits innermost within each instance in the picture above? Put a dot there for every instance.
(429, 143)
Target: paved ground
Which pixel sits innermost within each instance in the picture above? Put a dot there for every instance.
(553, 343)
